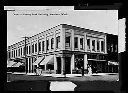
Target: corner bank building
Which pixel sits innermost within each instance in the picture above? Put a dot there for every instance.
(62, 48)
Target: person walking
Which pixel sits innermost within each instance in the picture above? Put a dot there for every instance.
(82, 70)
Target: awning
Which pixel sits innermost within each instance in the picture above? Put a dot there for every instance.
(112, 63)
(17, 64)
(48, 60)
(10, 63)
(38, 60)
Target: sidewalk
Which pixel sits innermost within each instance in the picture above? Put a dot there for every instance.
(67, 75)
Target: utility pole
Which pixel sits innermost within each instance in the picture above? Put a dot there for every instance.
(25, 55)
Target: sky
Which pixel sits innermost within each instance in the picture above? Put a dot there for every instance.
(23, 22)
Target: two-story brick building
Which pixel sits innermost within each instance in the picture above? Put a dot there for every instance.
(62, 49)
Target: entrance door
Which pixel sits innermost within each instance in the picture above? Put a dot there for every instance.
(58, 65)
(68, 65)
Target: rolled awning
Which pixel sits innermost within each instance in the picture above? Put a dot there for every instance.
(112, 63)
(17, 64)
(38, 60)
(48, 60)
(10, 63)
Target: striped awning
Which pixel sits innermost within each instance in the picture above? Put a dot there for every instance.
(10, 63)
(48, 60)
(17, 64)
(38, 60)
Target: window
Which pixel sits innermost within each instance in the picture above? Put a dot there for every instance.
(76, 42)
(81, 43)
(19, 51)
(36, 47)
(29, 49)
(98, 45)
(57, 41)
(67, 41)
(8, 54)
(88, 44)
(42, 45)
(39, 46)
(102, 45)
(52, 42)
(47, 44)
(24, 50)
(33, 48)
(14, 53)
(116, 48)
(93, 45)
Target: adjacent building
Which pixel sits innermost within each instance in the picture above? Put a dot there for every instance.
(63, 49)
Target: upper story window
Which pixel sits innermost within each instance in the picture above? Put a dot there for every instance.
(39, 46)
(76, 42)
(42, 45)
(47, 41)
(93, 45)
(88, 44)
(57, 41)
(102, 46)
(98, 45)
(29, 49)
(21, 51)
(36, 47)
(52, 42)
(9, 54)
(33, 48)
(67, 41)
(14, 53)
(81, 43)
(116, 48)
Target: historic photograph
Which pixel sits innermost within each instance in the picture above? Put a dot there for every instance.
(57, 48)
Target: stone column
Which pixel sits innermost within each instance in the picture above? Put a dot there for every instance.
(72, 62)
(72, 40)
(85, 42)
(55, 63)
(62, 65)
(62, 39)
(78, 43)
(91, 44)
(85, 61)
(96, 45)
(28, 65)
(105, 44)
(54, 40)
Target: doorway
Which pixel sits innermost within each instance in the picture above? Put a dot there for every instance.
(68, 65)
(58, 65)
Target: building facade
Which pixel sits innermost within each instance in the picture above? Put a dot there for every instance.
(62, 49)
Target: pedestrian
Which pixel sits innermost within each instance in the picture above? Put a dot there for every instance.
(76, 70)
(82, 70)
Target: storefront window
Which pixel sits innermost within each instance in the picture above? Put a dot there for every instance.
(68, 41)
(76, 42)
(88, 44)
(93, 45)
(81, 43)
